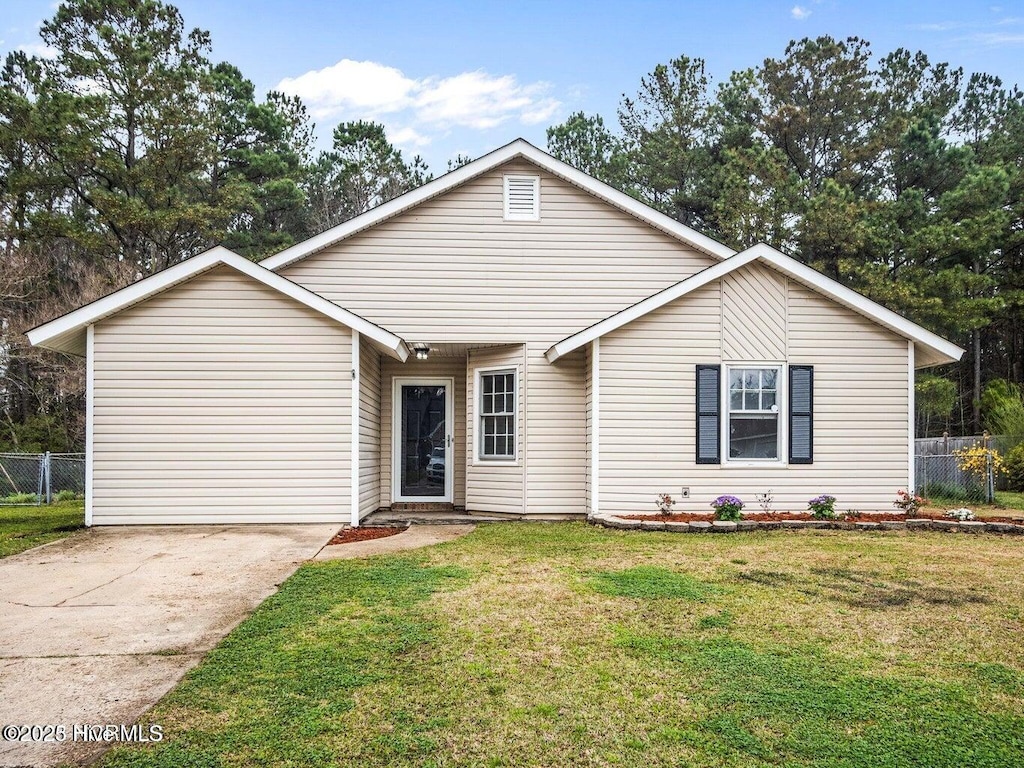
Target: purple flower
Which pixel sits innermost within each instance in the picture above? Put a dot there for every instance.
(727, 500)
(823, 499)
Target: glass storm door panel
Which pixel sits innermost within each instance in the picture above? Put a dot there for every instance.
(424, 447)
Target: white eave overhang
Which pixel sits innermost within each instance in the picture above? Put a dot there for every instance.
(931, 349)
(68, 332)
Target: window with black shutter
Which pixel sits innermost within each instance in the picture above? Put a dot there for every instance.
(708, 414)
(801, 414)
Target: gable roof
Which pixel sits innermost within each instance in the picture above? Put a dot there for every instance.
(934, 349)
(67, 333)
(520, 148)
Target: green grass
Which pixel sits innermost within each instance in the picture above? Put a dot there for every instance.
(25, 527)
(540, 645)
(1010, 499)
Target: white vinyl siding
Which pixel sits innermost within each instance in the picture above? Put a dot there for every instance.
(452, 270)
(220, 400)
(648, 417)
(494, 486)
(369, 428)
(556, 434)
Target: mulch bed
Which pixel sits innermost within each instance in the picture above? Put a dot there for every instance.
(767, 517)
(349, 535)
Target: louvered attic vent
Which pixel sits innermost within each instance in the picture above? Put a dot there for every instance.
(522, 198)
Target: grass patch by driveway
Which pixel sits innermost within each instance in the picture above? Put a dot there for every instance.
(24, 527)
(540, 645)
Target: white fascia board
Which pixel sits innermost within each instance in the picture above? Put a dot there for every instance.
(392, 344)
(944, 350)
(861, 304)
(651, 303)
(517, 148)
(56, 333)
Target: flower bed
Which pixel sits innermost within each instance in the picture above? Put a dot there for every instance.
(705, 523)
(862, 517)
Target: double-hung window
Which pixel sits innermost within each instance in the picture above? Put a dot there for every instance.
(752, 402)
(497, 415)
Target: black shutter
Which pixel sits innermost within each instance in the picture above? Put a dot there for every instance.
(801, 414)
(709, 423)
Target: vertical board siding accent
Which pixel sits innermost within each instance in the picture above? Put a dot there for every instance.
(433, 367)
(754, 314)
(220, 400)
(453, 270)
(556, 433)
(648, 408)
(494, 486)
(369, 429)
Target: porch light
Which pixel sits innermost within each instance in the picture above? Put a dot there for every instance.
(422, 350)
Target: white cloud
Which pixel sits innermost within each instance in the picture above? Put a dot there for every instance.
(799, 13)
(351, 90)
(996, 39)
(407, 137)
(364, 87)
(39, 49)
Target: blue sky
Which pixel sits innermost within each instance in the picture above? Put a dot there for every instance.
(449, 77)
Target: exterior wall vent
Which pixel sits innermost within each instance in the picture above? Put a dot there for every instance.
(522, 198)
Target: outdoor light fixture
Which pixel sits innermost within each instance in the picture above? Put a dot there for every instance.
(422, 350)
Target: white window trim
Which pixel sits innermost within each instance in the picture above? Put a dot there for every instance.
(781, 399)
(536, 197)
(478, 415)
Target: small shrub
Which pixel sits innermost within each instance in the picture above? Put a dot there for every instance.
(728, 508)
(67, 495)
(822, 507)
(1015, 469)
(977, 459)
(961, 514)
(665, 503)
(954, 492)
(19, 498)
(908, 502)
(764, 500)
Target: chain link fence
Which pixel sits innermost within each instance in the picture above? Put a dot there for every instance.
(38, 478)
(942, 471)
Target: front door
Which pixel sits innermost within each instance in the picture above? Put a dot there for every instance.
(422, 452)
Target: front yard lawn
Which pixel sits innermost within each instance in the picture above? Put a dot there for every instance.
(25, 527)
(568, 645)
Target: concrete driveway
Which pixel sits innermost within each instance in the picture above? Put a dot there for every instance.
(97, 627)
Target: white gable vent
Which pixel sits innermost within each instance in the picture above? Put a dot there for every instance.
(522, 198)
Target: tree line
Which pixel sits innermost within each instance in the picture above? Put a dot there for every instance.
(128, 149)
(899, 177)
